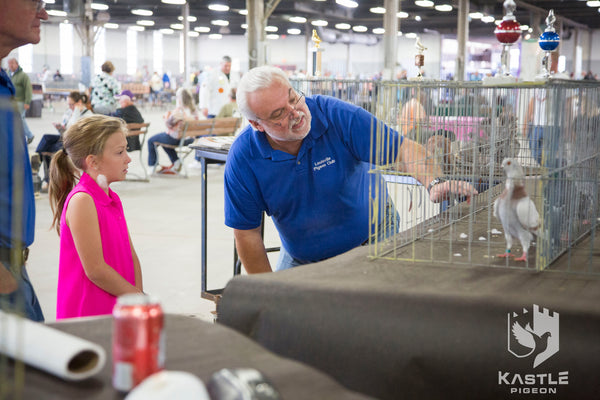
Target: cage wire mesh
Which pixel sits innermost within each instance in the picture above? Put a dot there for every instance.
(551, 129)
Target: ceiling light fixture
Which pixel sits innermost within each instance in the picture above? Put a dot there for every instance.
(56, 13)
(298, 20)
(272, 36)
(476, 15)
(319, 22)
(593, 3)
(347, 3)
(173, 1)
(110, 25)
(243, 12)
(444, 7)
(166, 31)
(342, 25)
(402, 14)
(424, 3)
(137, 28)
(99, 7)
(145, 22)
(488, 19)
(191, 18)
(193, 34)
(271, 28)
(244, 26)
(418, 18)
(141, 12)
(218, 7)
(378, 31)
(219, 22)
(294, 31)
(176, 26)
(377, 10)
(215, 36)
(411, 35)
(359, 28)
(202, 29)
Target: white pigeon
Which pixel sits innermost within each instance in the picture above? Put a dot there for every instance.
(515, 210)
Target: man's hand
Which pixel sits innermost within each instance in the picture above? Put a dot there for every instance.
(26, 106)
(443, 190)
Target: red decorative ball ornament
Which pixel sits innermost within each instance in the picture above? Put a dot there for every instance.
(508, 31)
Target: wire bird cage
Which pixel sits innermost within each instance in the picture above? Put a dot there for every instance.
(551, 129)
(358, 92)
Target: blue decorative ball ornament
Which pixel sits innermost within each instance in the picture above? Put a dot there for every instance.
(549, 41)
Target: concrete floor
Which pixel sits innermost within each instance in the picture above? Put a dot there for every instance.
(164, 219)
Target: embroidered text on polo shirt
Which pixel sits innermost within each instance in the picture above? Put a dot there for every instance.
(323, 163)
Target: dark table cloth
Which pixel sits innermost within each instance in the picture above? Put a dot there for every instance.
(395, 330)
(192, 345)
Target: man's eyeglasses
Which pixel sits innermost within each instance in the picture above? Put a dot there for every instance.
(278, 120)
(39, 5)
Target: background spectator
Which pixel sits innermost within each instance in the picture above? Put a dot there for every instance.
(23, 93)
(104, 89)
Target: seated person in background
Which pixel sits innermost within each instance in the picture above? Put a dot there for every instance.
(57, 76)
(185, 110)
(230, 109)
(51, 143)
(129, 113)
(305, 161)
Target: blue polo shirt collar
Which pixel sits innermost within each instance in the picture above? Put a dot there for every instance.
(96, 191)
(318, 127)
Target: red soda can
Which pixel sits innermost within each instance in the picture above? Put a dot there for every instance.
(138, 343)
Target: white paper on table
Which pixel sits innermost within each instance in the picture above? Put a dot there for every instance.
(66, 356)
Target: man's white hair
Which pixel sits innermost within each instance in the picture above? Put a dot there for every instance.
(256, 79)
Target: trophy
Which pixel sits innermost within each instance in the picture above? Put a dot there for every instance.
(316, 50)
(508, 32)
(548, 42)
(420, 58)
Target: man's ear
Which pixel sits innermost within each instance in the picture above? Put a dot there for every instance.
(256, 125)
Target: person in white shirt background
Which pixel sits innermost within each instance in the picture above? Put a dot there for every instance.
(216, 87)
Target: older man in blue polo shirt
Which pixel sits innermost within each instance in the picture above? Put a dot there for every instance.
(19, 25)
(305, 162)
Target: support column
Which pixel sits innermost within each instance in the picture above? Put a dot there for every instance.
(186, 44)
(256, 33)
(462, 35)
(390, 38)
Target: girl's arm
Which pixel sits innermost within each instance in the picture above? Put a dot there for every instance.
(82, 219)
(137, 267)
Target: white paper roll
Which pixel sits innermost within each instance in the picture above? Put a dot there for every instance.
(66, 356)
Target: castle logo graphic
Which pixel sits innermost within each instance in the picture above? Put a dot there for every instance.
(533, 334)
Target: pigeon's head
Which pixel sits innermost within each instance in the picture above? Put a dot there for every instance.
(512, 168)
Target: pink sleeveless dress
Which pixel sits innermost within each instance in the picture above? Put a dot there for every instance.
(77, 296)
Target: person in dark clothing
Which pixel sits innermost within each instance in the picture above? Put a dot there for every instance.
(129, 113)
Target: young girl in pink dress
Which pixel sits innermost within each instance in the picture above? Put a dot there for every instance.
(97, 258)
